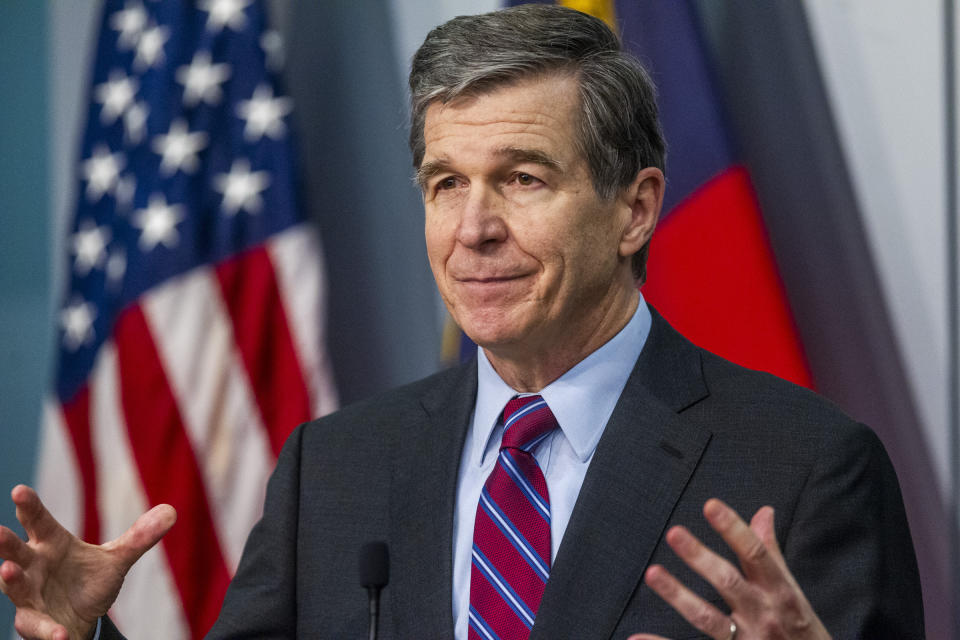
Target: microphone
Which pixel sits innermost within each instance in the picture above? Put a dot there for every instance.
(374, 575)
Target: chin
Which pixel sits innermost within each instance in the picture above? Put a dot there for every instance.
(493, 337)
(484, 337)
(494, 325)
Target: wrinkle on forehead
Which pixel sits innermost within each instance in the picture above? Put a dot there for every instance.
(526, 109)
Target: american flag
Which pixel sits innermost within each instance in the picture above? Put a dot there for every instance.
(191, 334)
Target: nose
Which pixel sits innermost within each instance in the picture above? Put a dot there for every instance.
(481, 220)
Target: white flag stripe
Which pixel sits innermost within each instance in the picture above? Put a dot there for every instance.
(149, 594)
(194, 337)
(58, 481)
(297, 261)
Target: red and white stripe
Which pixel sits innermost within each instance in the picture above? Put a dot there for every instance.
(189, 403)
(149, 592)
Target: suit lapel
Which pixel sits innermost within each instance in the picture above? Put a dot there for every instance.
(639, 470)
(423, 495)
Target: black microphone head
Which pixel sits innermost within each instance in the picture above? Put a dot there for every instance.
(374, 565)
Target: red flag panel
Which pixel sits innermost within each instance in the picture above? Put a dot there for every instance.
(712, 274)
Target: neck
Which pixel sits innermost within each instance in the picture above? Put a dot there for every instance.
(528, 370)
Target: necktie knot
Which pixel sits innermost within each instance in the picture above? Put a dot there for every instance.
(527, 420)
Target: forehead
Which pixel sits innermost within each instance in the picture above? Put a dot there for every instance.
(540, 113)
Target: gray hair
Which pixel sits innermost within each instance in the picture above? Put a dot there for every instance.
(618, 131)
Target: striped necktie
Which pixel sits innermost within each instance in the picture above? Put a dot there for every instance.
(511, 535)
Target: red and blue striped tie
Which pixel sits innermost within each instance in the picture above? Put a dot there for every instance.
(511, 536)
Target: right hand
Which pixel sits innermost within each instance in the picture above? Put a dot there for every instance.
(59, 584)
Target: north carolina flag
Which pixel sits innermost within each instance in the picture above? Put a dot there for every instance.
(711, 271)
(191, 334)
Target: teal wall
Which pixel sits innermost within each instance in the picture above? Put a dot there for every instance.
(26, 322)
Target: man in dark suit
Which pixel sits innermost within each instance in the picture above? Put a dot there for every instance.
(540, 159)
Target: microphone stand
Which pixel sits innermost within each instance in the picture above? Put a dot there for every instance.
(374, 575)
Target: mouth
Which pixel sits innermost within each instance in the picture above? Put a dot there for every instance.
(490, 279)
(491, 284)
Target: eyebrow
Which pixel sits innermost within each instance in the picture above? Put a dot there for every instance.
(535, 156)
(429, 169)
(517, 154)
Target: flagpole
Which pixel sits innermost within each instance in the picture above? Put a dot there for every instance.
(953, 298)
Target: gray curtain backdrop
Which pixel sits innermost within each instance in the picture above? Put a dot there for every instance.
(781, 118)
(351, 119)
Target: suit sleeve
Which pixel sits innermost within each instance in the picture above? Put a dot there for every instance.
(849, 545)
(107, 630)
(261, 600)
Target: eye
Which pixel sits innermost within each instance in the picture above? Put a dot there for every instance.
(525, 178)
(445, 184)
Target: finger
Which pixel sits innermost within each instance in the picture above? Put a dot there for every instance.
(33, 625)
(762, 525)
(695, 610)
(721, 574)
(13, 548)
(31, 513)
(13, 583)
(147, 531)
(750, 549)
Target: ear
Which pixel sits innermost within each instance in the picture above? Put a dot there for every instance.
(644, 197)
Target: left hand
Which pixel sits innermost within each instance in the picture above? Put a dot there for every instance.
(58, 583)
(765, 600)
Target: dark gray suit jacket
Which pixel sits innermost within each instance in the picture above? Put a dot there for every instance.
(688, 426)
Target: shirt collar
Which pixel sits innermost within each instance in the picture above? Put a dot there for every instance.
(582, 399)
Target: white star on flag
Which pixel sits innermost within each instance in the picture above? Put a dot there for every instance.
(130, 22)
(135, 122)
(241, 188)
(225, 13)
(116, 94)
(264, 114)
(179, 148)
(272, 44)
(89, 244)
(150, 47)
(126, 189)
(201, 80)
(116, 266)
(158, 223)
(101, 171)
(77, 323)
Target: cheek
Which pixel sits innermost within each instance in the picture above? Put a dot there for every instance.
(588, 253)
(438, 241)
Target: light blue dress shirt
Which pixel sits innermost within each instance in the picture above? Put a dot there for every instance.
(582, 400)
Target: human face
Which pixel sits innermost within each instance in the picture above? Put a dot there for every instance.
(526, 255)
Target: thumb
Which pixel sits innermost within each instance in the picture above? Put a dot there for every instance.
(33, 516)
(147, 531)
